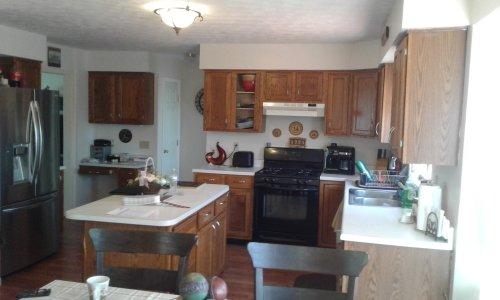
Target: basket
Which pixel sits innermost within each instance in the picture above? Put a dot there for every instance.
(382, 179)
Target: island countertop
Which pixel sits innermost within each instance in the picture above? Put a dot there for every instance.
(150, 215)
(380, 225)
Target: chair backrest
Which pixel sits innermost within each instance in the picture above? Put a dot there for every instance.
(307, 259)
(163, 243)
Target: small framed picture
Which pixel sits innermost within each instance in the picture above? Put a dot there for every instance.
(54, 57)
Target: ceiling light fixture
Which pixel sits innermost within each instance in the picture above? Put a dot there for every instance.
(179, 17)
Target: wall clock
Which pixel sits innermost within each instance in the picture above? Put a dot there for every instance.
(295, 128)
(125, 135)
(198, 101)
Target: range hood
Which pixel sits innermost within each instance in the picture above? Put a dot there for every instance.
(294, 109)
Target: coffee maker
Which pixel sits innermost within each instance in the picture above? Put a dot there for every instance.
(340, 160)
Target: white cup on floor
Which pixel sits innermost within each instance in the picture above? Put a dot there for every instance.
(98, 287)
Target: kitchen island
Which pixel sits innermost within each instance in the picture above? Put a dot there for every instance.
(403, 263)
(200, 210)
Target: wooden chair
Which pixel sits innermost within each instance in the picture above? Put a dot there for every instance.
(307, 259)
(164, 243)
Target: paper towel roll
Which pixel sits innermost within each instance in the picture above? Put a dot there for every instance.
(429, 200)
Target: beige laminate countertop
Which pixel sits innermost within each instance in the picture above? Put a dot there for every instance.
(150, 215)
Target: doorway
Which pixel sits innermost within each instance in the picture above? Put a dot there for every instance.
(168, 125)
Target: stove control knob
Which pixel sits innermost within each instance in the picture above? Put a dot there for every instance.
(274, 180)
(266, 180)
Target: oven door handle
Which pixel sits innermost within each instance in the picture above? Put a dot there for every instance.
(293, 189)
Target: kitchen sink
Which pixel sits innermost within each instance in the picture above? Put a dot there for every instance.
(373, 197)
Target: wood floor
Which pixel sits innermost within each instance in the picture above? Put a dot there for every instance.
(67, 265)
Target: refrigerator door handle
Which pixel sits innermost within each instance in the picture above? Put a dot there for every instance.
(30, 129)
(38, 131)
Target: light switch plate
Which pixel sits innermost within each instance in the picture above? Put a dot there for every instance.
(143, 144)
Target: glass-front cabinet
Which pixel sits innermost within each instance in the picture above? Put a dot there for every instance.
(246, 101)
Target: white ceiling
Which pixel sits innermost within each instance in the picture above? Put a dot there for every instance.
(126, 25)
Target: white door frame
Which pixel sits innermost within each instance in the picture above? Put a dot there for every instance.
(160, 129)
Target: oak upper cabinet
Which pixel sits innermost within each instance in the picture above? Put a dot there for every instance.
(217, 100)
(309, 87)
(31, 70)
(337, 86)
(364, 102)
(428, 94)
(103, 97)
(384, 109)
(121, 98)
(136, 95)
(398, 98)
(279, 86)
(331, 196)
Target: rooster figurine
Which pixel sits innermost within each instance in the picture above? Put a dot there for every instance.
(220, 159)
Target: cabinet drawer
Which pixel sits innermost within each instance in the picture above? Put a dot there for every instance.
(209, 178)
(187, 226)
(205, 215)
(96, 170)
(240, 182)
(221, 204)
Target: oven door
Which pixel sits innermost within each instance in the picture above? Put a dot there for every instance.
(286, 214)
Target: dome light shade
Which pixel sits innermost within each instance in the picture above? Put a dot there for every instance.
(178, 17)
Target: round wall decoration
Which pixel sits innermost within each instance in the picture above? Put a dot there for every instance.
(295, 128)
(313, 134)
(276, 132)
(198, 101)
(125, 135)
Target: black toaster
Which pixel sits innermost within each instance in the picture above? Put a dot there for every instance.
(243, 159)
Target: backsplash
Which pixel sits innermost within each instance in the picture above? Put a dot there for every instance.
(366, 148)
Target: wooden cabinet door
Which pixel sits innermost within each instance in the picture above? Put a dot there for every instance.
(124, 175)
(136, 98)
(217, 100)
(187, 226)
(103, 103)
(337, 103)
(330, 198)
(384, 110)
(364, 102)
(309, 87)
(399, 95)
(204, 250)
(219, 246)
(240, 214)
(31, 72)
(280, 86)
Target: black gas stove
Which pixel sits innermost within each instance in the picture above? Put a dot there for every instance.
(287, 196)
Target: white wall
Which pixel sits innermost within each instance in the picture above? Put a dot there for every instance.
(395, 23)
(366, 149)
(20, 43)
(290, 56)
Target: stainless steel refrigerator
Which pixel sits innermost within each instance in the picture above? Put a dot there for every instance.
(29, 177)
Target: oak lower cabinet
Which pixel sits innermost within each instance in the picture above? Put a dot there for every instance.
(211, 247)
(402, 273)
(429, 70)
(121, 98)
(123, 175)
(331, 195)
(240, 214)
(239, 204)
(208, 256)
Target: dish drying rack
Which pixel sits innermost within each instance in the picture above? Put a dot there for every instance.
(382, 179)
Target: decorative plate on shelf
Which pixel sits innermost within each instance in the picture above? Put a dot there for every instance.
(296, 128)
(276, 132)
(198, 101)
(313, 134)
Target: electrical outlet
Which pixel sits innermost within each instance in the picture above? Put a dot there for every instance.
(143, 144)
